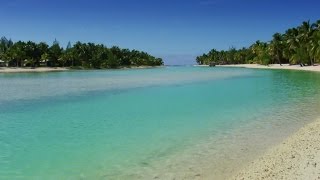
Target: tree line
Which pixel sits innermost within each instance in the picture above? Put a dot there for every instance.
(299, 45)
(79, 55)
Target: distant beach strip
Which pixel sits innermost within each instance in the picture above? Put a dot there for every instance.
(315, 68)
(23, 70)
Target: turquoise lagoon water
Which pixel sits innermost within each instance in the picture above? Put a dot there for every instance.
(162, 123)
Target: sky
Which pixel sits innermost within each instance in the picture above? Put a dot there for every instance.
(175, 30)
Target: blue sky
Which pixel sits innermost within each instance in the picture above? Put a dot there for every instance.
(176, 30)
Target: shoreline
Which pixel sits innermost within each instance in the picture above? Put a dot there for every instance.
(276, 66)
(297, 157)
(59, 69)
(271, 66)
(31, 70)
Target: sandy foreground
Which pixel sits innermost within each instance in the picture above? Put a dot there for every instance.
(22, 70)
(276, 66)
(298, 157)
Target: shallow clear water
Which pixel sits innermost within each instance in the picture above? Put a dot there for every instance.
(174, 122)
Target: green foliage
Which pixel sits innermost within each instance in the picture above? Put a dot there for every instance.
(17, 53)
(80, 55)
(296, 45)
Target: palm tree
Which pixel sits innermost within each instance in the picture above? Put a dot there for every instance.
(305, 35)
(260, 50)
(17, 53)
(55, 52)
(44, 52)
(276, 47)
(292, 44)
(315, 41)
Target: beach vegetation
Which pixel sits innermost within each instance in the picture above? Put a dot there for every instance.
(80, 55)
(298, 45)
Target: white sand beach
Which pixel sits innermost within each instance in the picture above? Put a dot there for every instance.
(275, 66)
(298, 157)
(24, 70)
(49, 69)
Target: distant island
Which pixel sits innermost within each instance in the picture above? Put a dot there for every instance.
(300, 45)
(78, 56)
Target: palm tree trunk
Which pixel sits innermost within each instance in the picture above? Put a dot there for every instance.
(279, 61)
(278, 57)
